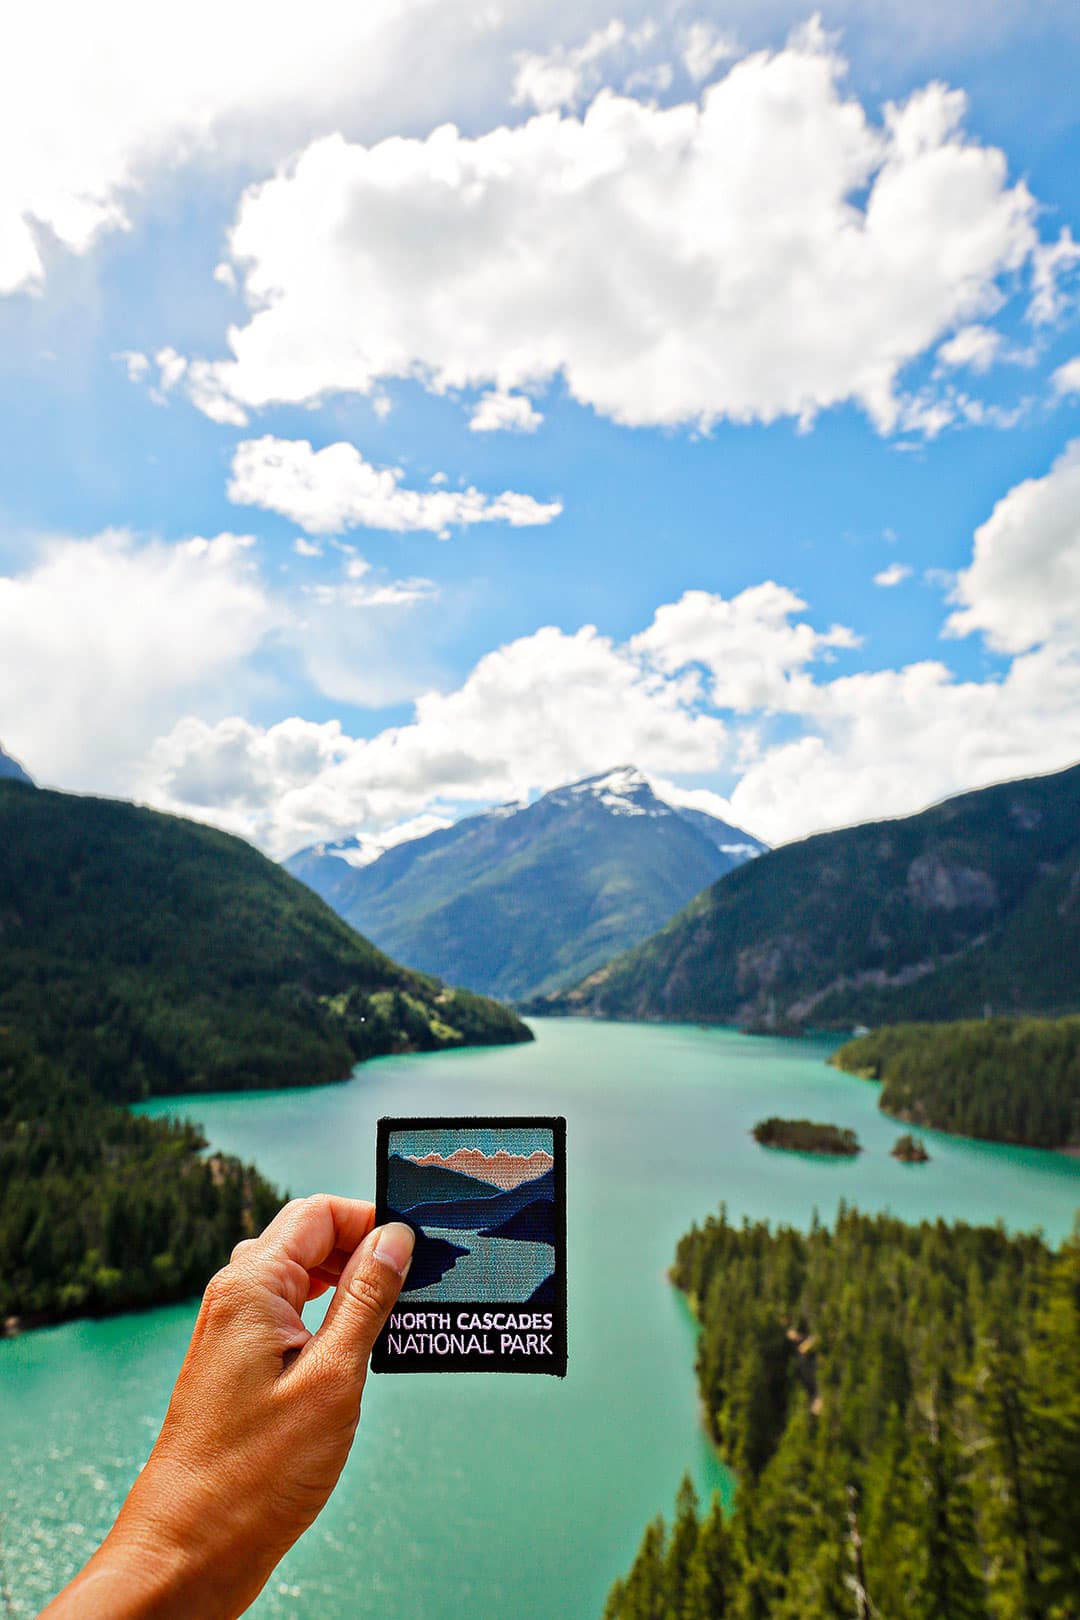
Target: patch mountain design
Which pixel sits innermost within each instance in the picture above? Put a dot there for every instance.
(409, 1183)
(525, 899)
(471, 1211)
(486, 1291)
(535, 1223)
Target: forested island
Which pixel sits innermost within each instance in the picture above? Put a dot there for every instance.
(1003, 1079)
(910, 1149)
(101, 1210)
(902, 1407)
(806, 1136)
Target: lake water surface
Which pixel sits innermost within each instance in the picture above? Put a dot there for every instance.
(482, 1493)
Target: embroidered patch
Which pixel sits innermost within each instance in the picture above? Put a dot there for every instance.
(486, 1291)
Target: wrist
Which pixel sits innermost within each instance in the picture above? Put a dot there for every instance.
(179, 1539)
(132, 1577)
(160, 1561)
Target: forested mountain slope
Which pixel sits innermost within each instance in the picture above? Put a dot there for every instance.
(148, 954)
(527, 898)
(973, 903)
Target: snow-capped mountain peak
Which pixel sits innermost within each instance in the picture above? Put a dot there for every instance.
(624, 791)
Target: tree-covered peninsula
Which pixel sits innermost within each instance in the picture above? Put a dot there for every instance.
(1004, 1079)
(901, 1405)
(101, 1210)
(146, 954)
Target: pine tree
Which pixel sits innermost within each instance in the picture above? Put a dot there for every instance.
(712, 1571)
(681, 1546)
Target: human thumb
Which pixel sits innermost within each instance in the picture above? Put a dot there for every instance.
(365, 1295)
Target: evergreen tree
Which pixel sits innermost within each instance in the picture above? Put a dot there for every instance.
(903, 1406)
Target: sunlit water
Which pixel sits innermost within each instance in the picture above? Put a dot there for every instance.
(481, 1493)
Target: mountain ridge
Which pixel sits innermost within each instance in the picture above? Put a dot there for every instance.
(465, 1212)
(971, 903)
(11, 770)
(408, 1183)
(149, 955)
(526, 898)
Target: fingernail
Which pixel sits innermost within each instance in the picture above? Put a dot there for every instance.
(395, 1246)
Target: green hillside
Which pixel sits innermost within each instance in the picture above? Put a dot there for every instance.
(101, 1210)
(523, 900)
(975, 902)
(1004, 1079)
(146, 954)
(902, 1407)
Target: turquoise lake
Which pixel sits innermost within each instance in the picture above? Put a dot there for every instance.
(479, 1493)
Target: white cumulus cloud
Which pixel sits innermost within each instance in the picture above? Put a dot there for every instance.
(894, 574)
(1023, 584)
(101, 103)
(890, 742)
(975, 346)
(749, 644)
(105, 641)
(330, 490)
(562, 77)
(767, 251)
(704, 47)
(1066, 379)
(1053, 270)
(496, 412)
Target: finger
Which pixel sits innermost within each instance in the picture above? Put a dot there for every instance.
(366, 1294)
(320, 1278)
(307, 1233)
(334, 1264)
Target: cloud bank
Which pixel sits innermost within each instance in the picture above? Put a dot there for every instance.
(171, 646)
(741, 686)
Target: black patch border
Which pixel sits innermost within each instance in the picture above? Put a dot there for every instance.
(553, 1366)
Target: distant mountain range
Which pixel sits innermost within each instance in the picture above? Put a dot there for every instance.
(484, 1212)
(409, 1183)
(146, 954)
(11, 768)
(528, 898)
(533, 1223)
(971, 905)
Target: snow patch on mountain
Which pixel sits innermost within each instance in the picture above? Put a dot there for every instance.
(362, 849)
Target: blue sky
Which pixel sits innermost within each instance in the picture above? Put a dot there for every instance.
(782, 507)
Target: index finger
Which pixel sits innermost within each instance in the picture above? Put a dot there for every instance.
(308, 1230)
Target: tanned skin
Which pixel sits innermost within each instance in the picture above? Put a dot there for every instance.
(260, 1422)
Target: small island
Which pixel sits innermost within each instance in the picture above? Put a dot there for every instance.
(806, 1136)
(910, 1149)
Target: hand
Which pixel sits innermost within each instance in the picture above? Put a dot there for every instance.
(260, 1422)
